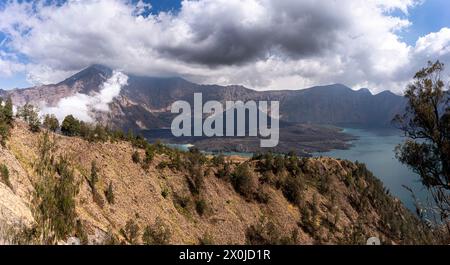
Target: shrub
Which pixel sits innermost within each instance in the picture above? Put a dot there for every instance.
(149, 155)
(157, 234)
(262, 195)
(175, 161)
(218, 160)
(109, 194)
(200, 206)
(7, 111)
(278, 164)
(71, 126)
(224, 172)
(100, 133)
(162, 165)
(4, 132)
(130, 232)
(4, 176)
(51, 122)
(55, 199)
(265, 162)
(195, 178)
(267, 233)
(93, 177)
(206, 239)
(30, 115)
(293, 189)
(136, 157)
(165, 192)
(244, 181)
(181, 201)
(6, 120)
(324, 184)
(139, 142)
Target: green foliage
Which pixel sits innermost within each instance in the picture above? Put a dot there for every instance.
(176, 162)
(4, 132)
(7, 111)
(324, 184)
(71, 126)
(267, 233)
(92, 180)
(130, 232)
(200, 206)
(262, 195)
(54, 195)
(195, 178)
(194, 164)
(138, 141)
(4, 175)
(136, 157)
(109, 194)
(206, 240)
(149, 155)
(51, 122)
(30, 115)
(93, 177)
(293, 188)
(243, 181)
(6, 120)
(165, 192)
(218, 160)
(181, 201)
(426, 121)
(158, 233)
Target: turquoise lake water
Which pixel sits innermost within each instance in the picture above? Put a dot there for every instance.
(375, 148)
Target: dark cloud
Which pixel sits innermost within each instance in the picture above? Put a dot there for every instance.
(289, 28)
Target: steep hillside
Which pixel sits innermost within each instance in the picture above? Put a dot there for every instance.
(164, 196)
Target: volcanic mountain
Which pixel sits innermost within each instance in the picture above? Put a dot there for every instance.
(145, 102)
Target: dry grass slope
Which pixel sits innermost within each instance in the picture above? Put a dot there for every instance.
(337, 202)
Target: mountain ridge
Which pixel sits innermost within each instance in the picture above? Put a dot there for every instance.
(152, 96)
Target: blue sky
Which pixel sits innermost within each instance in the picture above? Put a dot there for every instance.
(205, 41)
(19, 80)
(431, 16)
(164, 5)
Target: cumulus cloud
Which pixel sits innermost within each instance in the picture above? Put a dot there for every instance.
(264, 44)
(83, 106)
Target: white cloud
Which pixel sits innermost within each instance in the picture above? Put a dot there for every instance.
(82, 106)
(259, 43)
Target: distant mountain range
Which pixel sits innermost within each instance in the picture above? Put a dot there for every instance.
(145, 102)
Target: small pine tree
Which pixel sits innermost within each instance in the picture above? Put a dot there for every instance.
(93, 177)
(136, 157)
(51, 122)
(4, 175)
(109, 193)
(8, 111)
(70, 126)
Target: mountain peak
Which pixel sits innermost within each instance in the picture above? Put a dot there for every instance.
(387, 93)
(91, 77)
(100, 68)
(88, 72)
(364, 90)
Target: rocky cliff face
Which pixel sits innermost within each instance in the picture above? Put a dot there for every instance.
(235, 201)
